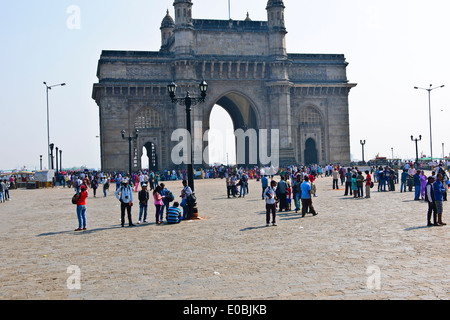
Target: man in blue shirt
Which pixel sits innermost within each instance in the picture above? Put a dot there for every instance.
(417, 185)
(306, 197)
(439, 189)
(264, 184)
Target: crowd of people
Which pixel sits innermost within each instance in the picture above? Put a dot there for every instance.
(295, 189)
(124, 192)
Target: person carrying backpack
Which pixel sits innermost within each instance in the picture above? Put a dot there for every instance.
(81, 209)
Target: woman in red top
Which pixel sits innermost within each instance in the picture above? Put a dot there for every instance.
(368, 183)
(81, 209)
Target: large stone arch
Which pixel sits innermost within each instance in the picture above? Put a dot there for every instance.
(244, 115)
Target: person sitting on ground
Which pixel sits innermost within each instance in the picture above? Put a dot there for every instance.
(173, 214)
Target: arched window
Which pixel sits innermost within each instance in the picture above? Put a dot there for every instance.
(147, 119)
(310, 117)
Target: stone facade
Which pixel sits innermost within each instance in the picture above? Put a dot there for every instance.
(250, 74)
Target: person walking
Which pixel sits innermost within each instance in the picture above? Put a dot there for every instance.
(125, 195)
(281, 193)
(403, 180)
(81, 209)
(297, 191)
(438, 198)
(335, 179)
(94, 185)
(105, 183)
(429, 198)
(271, 203)
(143, 197)
(306, 198)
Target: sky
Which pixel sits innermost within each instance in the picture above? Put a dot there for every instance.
(391, 47)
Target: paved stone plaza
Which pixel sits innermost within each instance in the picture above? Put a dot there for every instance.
(345, 252)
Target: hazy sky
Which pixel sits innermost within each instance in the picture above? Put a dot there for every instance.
(391, 46)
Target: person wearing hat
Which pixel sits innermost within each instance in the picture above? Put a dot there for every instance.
(81, 209)
(125, 195)
(143, 196)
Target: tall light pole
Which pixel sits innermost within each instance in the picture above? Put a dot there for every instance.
(188, 101)
(130, 139)
(429, 110)
(48, 121)
(363, 144)
(417, 149)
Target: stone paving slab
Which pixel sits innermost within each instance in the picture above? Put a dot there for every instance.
(229, 254)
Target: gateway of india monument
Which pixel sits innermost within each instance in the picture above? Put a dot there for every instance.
(250, 74)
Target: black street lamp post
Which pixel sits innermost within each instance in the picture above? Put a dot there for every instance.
(363, 144)
(40, 159)
(417, 148)
(188, 102)
(130, 139)
(51, 156)
(57, 151)
(60, 160)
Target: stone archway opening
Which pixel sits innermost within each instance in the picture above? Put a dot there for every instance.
(149, 159)
(221, 139)
(242, 116)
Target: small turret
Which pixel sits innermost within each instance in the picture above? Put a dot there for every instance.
(275, 14)
(277, 28)
(167, 27)
(183, 12)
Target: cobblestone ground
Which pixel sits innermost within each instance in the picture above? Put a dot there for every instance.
(378, 248)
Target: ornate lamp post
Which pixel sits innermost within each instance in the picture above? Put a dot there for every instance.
(417, 149)
(130, 139)
(188, 102)
(51, 156)
(363, 144)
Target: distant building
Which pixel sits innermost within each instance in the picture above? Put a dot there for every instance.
(250, 74)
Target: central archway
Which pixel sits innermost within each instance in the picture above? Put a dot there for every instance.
(243, 116)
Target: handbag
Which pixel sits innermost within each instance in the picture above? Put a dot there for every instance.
(75, 198)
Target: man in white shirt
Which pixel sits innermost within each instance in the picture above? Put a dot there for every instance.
(271, 203)
(125, 195)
